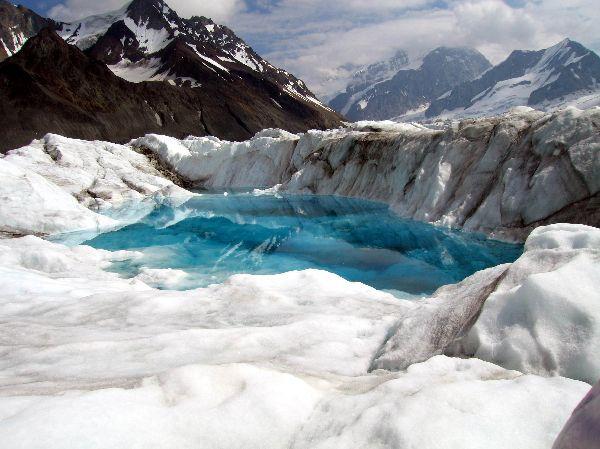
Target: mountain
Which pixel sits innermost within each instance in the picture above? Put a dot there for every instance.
(17, 24)
(542, 79)
(51, 86)
(145, 67)
(146, 40)
(395, 87)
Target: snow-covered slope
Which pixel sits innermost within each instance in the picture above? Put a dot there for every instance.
(398, 86)
(503, 175)
(365, 78)
(564, 74)
(139, 43)
(17, 24)
(301, 359)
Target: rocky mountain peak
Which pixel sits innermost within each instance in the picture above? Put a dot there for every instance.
(395, 87)
(549, 78)
(145, 67)
(153, 14)
(17, 24)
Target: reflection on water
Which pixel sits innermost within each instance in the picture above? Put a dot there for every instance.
(214, 236)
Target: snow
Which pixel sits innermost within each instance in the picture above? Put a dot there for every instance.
(544, 317)
(293, 90)
(150, 40)
(213, 62)
(241, 54)
(260, 361)
(63, 179)
(303, 359)
(443, 403)
(515, 92)
(86, 32)
(137, 72)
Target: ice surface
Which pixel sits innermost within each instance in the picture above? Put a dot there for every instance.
(500, 175)
(244, 406)
(55, 184)
(545, 314)
(92, 360)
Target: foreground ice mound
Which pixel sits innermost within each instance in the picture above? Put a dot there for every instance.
(259, 361)
(544, 317)
(539, 315)
(450, 403)
(58, 184)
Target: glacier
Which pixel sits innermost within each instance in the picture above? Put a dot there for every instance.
(502, 176)
(303, 359)
(259, 361)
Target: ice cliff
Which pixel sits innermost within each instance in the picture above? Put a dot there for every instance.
(502, 176)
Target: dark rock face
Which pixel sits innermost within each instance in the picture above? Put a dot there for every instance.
(440, 71)
(146, 30)
(582, 431)
(50, 86)
(17, 24)
(526, 78)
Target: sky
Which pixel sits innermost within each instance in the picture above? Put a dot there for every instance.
(324, 41)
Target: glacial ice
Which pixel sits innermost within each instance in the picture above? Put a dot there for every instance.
(62, 183)
(213, 236)
(259, 361)
(303, 359)
(503, 175)
(544, 316)
(539, 315)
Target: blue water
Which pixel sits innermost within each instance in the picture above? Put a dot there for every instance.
(214, 236)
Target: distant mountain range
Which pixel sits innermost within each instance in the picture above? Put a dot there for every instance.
(459, 82)
(566, 72)
(398, 86)
(142, 69)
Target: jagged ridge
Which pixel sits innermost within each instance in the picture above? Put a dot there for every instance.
(50, 86)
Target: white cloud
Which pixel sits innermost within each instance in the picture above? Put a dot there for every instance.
(219, 10)
(321, 41)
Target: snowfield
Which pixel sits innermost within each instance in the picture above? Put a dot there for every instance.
(91, 360)
(303, 359)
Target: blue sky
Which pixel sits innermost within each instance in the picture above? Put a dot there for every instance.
(322, 41)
